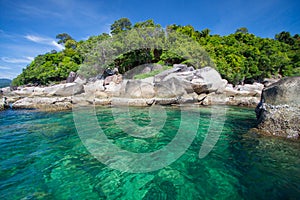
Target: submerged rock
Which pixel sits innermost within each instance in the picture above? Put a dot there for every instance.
(278, 112)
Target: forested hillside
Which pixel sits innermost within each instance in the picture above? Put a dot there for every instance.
(239, 57)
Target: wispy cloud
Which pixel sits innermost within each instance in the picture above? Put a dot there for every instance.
(37, 11)
(4, 67)
(17, 60)
(44, 40)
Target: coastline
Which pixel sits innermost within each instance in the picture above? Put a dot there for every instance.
(179, 85)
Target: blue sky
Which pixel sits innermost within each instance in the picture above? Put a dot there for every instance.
(28, 27)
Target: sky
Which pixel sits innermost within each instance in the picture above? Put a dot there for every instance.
(28, 27)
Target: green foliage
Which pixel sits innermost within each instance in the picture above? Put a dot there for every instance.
(120, 25)
(50, 67)
(63, 38)
(146, 24)
(243, 57)
(242, 30)
(239, 57)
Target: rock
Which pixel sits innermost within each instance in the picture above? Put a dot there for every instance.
(201, 97)
(254, 89)
(278, 112)
(113, 89)
(65, 90)
(92, 87)
(209, 80)
(166, 101)
(268, 81)
(131, 102)
(23, 91)
(80, 80)
(6, 91)
(138, 89)
(141, 69)
(159, 77)
(44, 103)
(188, 76)
(71, 78)
(182, 67)
(285, 91)
(83, 99)
(172, 87)
(247, 101)
(114, 78)
(199, 86)
(188, 98)
(38, 91)
(230, 91)
(101, 95)
(102, 102)
(148, 80)
(3, 104)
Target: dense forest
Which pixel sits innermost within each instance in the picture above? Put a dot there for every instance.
(240, 57)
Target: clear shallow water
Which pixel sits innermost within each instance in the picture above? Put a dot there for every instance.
(42, 157)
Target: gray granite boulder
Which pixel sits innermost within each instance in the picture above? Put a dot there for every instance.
(278, 112)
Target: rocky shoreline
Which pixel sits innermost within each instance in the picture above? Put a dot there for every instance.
(277, 102)
(178, 85)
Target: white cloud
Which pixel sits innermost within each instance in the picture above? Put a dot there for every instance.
(59, 46)
(44, 40)
(36, 39)
(4, 67)
(17, 60)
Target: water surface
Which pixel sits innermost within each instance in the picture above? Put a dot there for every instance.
(42, 157)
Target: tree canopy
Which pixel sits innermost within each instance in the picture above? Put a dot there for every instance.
(120, 25)
(239, 57)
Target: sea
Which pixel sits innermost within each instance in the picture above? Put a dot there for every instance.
(157, 153)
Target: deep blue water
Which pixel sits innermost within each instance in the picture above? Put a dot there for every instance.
(43, 157)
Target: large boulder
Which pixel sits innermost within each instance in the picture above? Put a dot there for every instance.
(278, 112)
(114, 78)
(208, 80)
(6, 91)
(253, 90)
(44, 103)
(172, 87)
(142, 69)
(64, 90)
(285, 91)
(23, 91)
(138, 89)
(93, 87)
(176, 68)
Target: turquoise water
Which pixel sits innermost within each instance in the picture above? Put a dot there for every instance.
(43, 157)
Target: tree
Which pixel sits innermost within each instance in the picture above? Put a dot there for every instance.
(63, 38)
(120, 25)
(205, 32)
(285, 37)
(242, 30)
(71, 44)
(146, 24)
